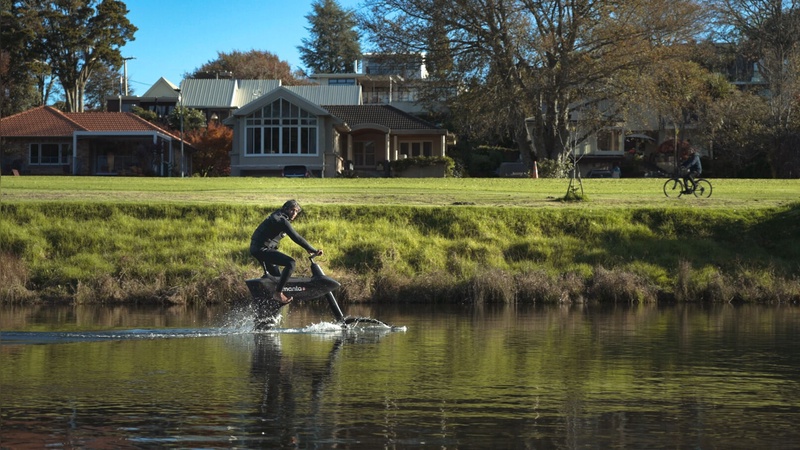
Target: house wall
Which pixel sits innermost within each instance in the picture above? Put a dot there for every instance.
(265, 165)
(437, 142)
(17, 156)
(395, 144)
(131, 156)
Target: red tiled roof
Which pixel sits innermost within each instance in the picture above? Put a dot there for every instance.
(50, 122)
(41, 121)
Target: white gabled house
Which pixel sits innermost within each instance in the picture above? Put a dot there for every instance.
(284, 128)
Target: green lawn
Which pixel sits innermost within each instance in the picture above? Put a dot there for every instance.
(634, 192)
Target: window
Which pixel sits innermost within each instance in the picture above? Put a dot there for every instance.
(50, 154)
(342, 81)
(415, 149)
(364, 153)
(609, 140)
(281, 128)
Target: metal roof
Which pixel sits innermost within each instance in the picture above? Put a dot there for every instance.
(225, 93)
(249, 90)
(329, 95)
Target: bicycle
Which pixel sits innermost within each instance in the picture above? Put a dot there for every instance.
(675, 187)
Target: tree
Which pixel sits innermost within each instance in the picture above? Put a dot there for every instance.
(105, 81)
(681, 94)
(252, 65)
(189, 118)
(77, 36)
(334, 43)
(530, 59)
(18, 90)
(740, 135)
(768, 33)
(213, 145)
(146, 114)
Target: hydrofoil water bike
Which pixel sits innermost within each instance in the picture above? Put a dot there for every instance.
(300, 289)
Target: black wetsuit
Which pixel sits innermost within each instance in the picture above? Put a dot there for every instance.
(264, 246)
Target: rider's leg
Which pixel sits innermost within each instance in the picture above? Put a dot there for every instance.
(270, 269)
(261, 254)
(691, 178)
(288, 269)
(688, 183)
(274, 257)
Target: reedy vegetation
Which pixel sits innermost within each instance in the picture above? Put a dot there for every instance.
(147, 249)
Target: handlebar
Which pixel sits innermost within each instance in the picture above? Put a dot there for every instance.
(311, 256)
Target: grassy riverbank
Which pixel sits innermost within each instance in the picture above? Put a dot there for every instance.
(472, 240)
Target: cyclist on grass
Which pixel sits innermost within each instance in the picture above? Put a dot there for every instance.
(691, 162)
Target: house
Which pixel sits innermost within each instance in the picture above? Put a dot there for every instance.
(384, 80)
(161, 98)
(218, 98)
(284, 128)
(46, 141)
(276, 126)
(374, 135)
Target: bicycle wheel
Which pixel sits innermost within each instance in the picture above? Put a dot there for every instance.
(673, 188)
(702, 188)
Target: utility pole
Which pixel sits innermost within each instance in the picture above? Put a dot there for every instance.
(125, 72)
(180, 102)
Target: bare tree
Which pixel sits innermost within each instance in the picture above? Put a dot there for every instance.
(531, 59)
(768, 33)
(104, 82)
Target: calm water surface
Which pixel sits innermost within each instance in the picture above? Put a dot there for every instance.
(694, 377)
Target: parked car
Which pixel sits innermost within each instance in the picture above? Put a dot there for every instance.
(599, 173)
(513, 170)
(296, 172)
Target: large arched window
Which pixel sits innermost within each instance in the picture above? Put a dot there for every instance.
(281, 128)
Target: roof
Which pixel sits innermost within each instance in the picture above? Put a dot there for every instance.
(162, 88)
(249, 90)
(223, 93)
(329, 95)
(46, 121)
(280, 93)
(385, 115)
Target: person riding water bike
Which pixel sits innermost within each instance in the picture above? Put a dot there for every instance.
(264, 246)
(691, 162)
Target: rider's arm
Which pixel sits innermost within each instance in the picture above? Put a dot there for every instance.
(293, 235)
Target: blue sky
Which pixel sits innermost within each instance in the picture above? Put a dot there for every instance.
(178, 36)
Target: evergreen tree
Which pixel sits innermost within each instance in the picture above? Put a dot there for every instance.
(334, 43)
(18, 68)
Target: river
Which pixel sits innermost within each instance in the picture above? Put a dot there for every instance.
(544, 377)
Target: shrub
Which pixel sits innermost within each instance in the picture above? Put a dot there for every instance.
(620, 286)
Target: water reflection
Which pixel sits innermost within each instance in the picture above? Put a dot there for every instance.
(541, 377)
(293, 390)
